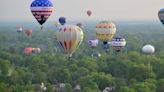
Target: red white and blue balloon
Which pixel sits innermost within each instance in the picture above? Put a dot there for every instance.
(19, 29)
(41, 10)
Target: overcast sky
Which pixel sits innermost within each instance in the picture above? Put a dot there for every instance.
(115, 10)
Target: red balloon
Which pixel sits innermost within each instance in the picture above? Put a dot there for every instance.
(28, 51)
(28, 32)
(89, 12)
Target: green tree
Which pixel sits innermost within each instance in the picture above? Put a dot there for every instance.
(126, 89)
(160, 85)
(87, 89)
(4, 88)
(68, 87)
(142, 72)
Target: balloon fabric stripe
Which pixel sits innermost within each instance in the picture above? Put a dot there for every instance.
(70, 45)
(65, 45)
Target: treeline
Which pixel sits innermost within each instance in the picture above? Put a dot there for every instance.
(127, 71)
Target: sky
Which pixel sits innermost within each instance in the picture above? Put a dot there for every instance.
(114, 10)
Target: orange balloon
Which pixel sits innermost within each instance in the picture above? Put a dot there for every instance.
(28, 51)
(28, 32)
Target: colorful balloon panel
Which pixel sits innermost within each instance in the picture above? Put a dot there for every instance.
(105, 31)
(41, 10)
(161, 15)
(118, 43)
(69, 37)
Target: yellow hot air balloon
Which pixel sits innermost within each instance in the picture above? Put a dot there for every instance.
(105, 30)
(69, 38)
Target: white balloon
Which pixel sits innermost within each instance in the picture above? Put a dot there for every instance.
(148, 49)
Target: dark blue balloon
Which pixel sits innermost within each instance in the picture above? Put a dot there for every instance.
(161, 15)
(62, 20)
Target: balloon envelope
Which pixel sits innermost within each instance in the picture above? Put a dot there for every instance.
(148, 49)
(161, 15)
(41, 10)
(28, 51)
(89, 12)
(62, 20)
(105, 30)
(28, 32)
(19, 29)
(57, 24)
(36, 50)
(69, 38)
(93, 43)
(118, 43)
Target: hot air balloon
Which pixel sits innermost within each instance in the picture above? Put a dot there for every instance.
(118, 43)
(89, 12)
(57, 24)
(36, 50)
(161, 15)
(41, 10)
(79, 25)
(93, 43)
(62, 20)
(148, 49)
(19, 29)
(28, 33)
(28, 51)
(105, 30)
(106, 46)
(69, 38)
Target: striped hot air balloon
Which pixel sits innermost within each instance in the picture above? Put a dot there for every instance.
(41, 10)
(118, 43)
(69, 38)
(105, 30)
